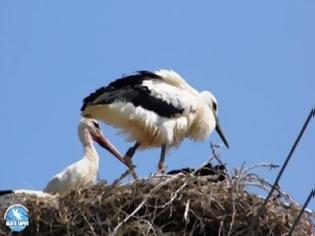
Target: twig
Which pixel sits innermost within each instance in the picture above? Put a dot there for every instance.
(123, 175)
(221, 227)
(214, 154)
(186, 211)
(233, 216)
(268, 165)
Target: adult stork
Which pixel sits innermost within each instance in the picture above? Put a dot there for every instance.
(155, 109)
(83, 173)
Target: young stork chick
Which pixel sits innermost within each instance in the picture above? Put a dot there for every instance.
(83, 173)
(155, 109)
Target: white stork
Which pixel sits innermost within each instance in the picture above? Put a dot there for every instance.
(83, 173)
(155, 109)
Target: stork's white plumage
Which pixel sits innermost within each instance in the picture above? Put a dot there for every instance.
(6, 196)
(155, 109)
(25, 192)
(83, 173)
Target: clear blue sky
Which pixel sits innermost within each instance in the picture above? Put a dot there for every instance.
(257, 57)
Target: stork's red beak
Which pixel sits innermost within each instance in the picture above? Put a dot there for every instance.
(105, 143)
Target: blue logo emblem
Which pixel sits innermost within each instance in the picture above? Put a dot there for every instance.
(16, 217)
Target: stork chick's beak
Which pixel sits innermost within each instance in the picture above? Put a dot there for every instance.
(105, 143)
(220, 132)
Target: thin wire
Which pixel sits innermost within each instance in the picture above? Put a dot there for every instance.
(310, 116)
(310, 196)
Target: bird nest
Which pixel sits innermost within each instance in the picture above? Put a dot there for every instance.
(180, 204)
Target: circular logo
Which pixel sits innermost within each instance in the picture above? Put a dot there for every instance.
(16, 217)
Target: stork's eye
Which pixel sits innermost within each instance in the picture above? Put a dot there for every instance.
(96, 125)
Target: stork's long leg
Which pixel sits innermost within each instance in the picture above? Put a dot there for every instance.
(162, 159)
(131, 151)
(129, 154)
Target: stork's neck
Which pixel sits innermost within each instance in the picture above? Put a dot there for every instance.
(88, 146)
(203, 124)
(91, 154)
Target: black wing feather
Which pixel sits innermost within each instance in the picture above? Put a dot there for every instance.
(130, 89)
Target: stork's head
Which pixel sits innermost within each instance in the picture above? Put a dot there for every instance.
(211, 101)
(90, 128)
